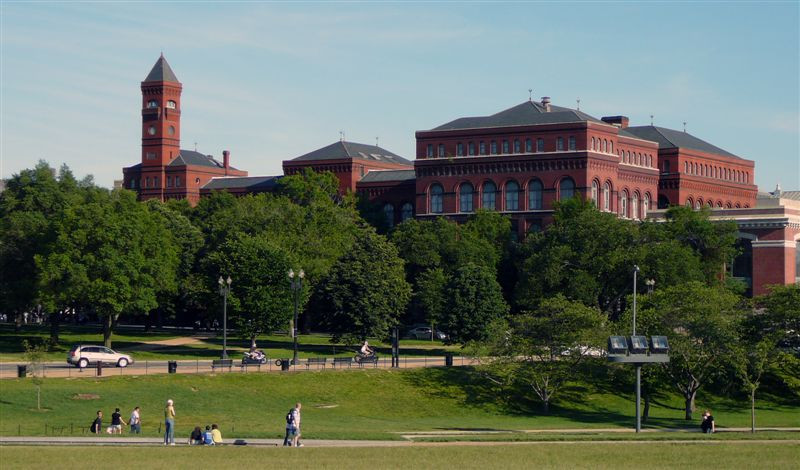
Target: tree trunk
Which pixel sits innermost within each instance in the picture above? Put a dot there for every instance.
(646, 412)
(752, 409)
(107, 331)
(689, 397)
(38, 397)
(546, 406)
(55, 317)
(148, 322)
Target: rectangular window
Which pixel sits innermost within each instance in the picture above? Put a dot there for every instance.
(517, 148)
(430, 151)
(177, 181)
(471, 148)
(441, 150)
(494, 147)
(540, 145)
(528, 145)
(572, 142)
(560, 144)
(151, 155)
(505, 146)
(169, 181)
(460, 149)
(482, 148)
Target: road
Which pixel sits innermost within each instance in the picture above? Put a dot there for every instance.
(8, 370)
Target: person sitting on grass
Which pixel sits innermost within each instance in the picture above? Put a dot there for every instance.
(196, 438)
(216, 435)
(208, 437)
(97, 424)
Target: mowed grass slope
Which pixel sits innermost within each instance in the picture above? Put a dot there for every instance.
(547, 455)
(348, 404)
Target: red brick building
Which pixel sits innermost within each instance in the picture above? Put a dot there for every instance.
(167, 171)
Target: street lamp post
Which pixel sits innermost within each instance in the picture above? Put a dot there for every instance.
(650, 285)
(638, 366)
(224, 290)
(297, 285)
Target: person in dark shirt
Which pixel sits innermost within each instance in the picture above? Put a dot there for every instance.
(197, 436)
(97, 424)
(116, 422)
(707, 425)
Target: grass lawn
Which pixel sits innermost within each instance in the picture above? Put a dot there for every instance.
(347, 404)
(546, 455)
(136, 342)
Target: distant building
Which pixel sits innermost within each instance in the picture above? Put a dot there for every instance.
(166, 171)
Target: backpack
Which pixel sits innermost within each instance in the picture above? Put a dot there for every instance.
(290, 417)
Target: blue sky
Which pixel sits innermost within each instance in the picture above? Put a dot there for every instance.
(271, 81)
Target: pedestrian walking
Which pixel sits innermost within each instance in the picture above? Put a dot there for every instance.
(117, 422)
(296, 423)
(708, 426)
(169, 422)
(135, 422)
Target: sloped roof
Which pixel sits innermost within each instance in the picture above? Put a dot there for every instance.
(161, 72)
(190, 157)
(251, 183)
(381, 176)
(342, 149)
(523, 114)
(670, 138)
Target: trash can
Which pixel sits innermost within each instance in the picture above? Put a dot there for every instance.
(285, 363)
(172, 367)
(448, 359)
(22, 371)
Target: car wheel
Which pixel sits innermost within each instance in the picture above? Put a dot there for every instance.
(83, 363)
(122, 362)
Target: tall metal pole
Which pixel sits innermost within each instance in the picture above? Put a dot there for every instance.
(225, 324)
(638, 366)
(294, 324)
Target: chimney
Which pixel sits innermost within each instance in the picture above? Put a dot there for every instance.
(619, 121)
(226, 161)
(546, 103)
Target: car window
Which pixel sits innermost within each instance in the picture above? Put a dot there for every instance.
(106, 350)
(89, 349)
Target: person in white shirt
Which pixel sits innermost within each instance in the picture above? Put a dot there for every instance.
(135, 422)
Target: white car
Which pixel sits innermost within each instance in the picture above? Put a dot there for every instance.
(83, 355)
(424, 332)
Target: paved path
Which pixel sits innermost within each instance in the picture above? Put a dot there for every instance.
(152, 441)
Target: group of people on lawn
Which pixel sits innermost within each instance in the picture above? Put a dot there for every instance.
(135, 422)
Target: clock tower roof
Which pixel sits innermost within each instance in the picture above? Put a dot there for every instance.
(161, 72)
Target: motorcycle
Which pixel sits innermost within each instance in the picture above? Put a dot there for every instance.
(365, 358)
(258, 357)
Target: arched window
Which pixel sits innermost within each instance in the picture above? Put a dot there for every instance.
(606, 197)
(710, 203)
(560, 144)
(566, 189)
(628, 157)
(540, 145)
(535, 195)
(171, 104)
(512, 196)
(528, 145)
(728, 205)
(592, 143)
(517, 148)
(666, 166)
(489, 195)
(388, 214)
(437, 199)
(623, 203)
(698, 203)
(645, 205)
(152, 104)
(605, 146)
(635, 205)
(689, 202)
(738, 206)
(719, 204)
(686, 167)
(595, 190)
(610, 146)
(572, 144)
(406, 211)
(465, 197)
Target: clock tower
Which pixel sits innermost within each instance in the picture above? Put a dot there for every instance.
(161, 127)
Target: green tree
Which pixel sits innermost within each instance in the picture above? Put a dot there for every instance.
(542, 349)
(30, 210)
(431, 295)
(700, 323)
(474, 301)
(112, 254)
(34, 356)
(260, 297)
(364, 292)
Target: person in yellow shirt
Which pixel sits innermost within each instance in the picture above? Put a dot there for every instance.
(216, 435)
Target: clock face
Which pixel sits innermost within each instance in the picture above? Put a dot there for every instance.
(171, 130)
(151, 130)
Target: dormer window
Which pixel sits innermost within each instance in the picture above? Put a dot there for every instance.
(152, 104)
(171, 104)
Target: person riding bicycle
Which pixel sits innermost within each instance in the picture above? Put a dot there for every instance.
(366, 351)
